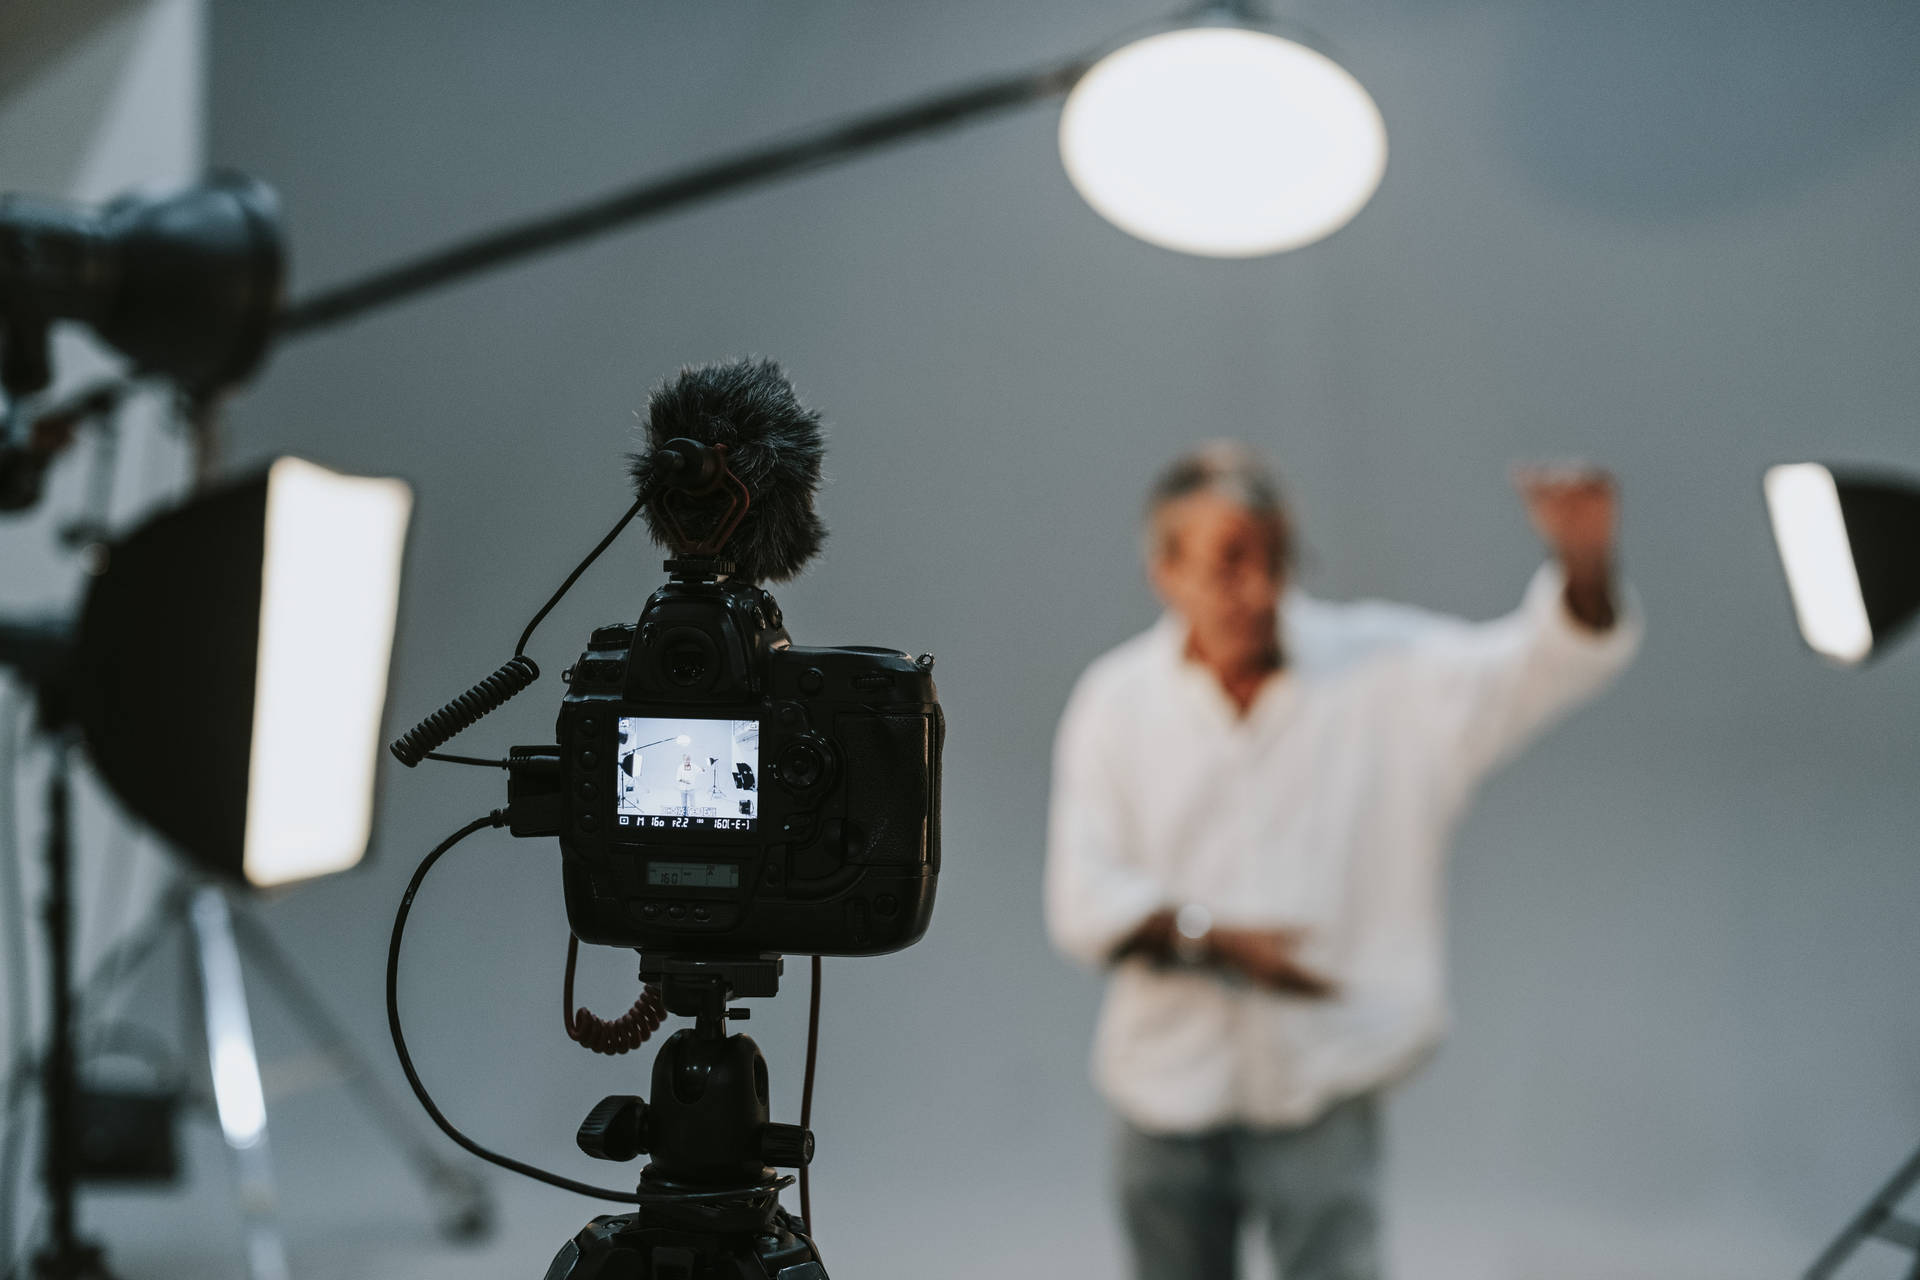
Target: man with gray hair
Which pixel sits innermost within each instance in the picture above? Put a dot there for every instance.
(1251, 809)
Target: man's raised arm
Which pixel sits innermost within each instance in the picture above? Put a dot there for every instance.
(1489, 688)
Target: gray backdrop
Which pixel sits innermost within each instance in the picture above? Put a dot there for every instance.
(1676, 238)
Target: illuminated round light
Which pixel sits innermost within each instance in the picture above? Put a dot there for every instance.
(1223, 141)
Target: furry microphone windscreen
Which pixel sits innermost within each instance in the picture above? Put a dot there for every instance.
(774, 448)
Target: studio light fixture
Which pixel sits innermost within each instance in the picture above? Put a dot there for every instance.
(1224, 138)
(1850, 544)
(229, 669)
(185, 284)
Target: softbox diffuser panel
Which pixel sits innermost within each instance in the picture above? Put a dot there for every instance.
(231, 669)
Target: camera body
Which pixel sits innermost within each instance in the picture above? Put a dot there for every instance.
(718, 790)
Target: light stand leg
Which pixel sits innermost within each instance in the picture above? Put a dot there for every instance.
(67, 1257)
(1878, 1218)
(237, 1093)
(461, 1203)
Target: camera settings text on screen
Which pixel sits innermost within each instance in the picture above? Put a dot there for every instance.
(684, 774)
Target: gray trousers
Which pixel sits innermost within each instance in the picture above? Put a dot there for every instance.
(1313, 1189)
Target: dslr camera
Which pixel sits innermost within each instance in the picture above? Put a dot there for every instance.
(721, 796)
(716, 789)
(719, 790)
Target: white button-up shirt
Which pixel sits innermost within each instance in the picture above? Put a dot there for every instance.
(1326, 808)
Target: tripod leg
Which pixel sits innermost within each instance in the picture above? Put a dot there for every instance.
(236, 1080)
(463, 1207)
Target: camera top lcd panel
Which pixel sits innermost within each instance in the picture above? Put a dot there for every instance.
(726, 792)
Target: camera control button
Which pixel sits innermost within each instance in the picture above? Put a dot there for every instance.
(589, 727)
(588, 822)
(588, 791)
(702, 914)
(676, 912)
(812, 680)
(588, 759)
(803, 763)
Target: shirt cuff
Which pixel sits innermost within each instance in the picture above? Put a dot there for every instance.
(1546, 605)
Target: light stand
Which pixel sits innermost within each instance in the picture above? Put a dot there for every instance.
(227, 649)
(66, 1256)
(219, 931)
(1849, 542)
(1880, 1220)
(462, 1204)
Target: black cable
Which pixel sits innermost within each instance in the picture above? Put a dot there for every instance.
(758, 1191)
(472, 760)
(618, 528)
(806, 1090)
(497, 818)
(514, 675)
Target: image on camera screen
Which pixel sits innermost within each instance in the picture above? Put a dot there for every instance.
(676, 774)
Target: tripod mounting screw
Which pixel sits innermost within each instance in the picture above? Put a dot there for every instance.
(786, 1146)
(615, 1129)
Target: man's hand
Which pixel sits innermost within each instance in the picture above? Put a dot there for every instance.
(1575, 509)
(1267, 958)
(1264, 956)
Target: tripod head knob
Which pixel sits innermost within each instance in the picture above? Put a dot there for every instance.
(616, 1129)
(786, 1146)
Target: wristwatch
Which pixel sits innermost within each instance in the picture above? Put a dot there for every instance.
(1191, 925)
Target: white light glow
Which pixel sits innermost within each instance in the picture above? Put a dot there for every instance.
(1223, 141)
(330, 590)
(1811, 533)
(236, 1091)
(237, 1095)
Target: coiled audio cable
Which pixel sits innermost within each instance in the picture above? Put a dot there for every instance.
(610, 1036)
(514, 675)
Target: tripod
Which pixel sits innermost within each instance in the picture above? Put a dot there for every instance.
(709, 1204)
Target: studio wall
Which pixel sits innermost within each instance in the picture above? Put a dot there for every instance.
(1673, 239)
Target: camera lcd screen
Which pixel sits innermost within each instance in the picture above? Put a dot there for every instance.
(696, 875)
(682, 774)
